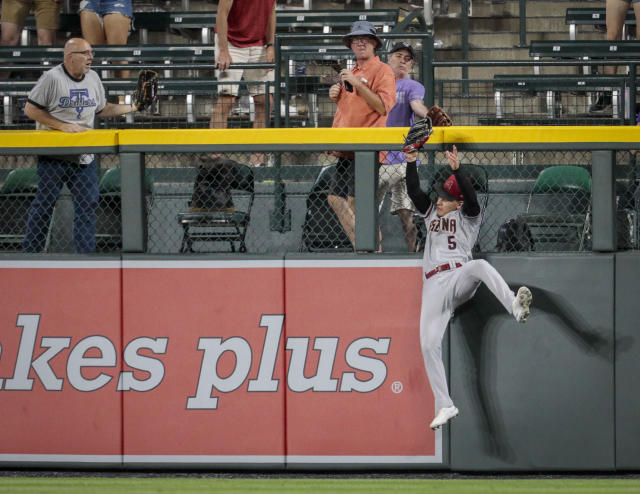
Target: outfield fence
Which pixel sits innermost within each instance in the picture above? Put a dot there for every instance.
(266, 192)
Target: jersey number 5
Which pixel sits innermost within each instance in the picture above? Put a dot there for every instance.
(451, 239)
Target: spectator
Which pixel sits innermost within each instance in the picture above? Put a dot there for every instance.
(409, 102)
(106, 22)
(365, 96)
(67, 98)
(15, 12)
(616, 11)
(245, 31)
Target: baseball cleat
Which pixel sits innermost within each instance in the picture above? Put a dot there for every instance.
(443, 416)
(521, 304)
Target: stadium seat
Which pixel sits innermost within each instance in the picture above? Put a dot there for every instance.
(222, 225)
(16, 194)
(559, 207)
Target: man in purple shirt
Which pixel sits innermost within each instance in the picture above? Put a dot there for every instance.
(393, 169)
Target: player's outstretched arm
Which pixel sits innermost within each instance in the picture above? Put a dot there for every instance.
(420, 199)
(470, 207)
(452, 158)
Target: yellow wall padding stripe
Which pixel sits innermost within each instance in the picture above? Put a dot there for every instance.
(182, 137)
(54, 138)
(263, 136)
(542, 134)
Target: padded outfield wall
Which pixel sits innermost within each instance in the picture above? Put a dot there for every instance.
(312, 361)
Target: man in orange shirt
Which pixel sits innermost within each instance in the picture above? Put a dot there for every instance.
(365, 96)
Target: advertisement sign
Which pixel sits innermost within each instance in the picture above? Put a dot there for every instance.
(365, 397)
(215, 362)
(60, 361)
(220, 398)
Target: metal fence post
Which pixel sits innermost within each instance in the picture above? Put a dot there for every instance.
(366, 192)
(603, 200)
(428, 76)
(134, 220)
(632, 94)
(465, 45)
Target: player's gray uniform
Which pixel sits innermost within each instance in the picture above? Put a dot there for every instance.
(450, 240)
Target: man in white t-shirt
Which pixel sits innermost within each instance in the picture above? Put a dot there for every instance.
(67, 98)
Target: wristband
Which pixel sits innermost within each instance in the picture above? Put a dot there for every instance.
(268, 45)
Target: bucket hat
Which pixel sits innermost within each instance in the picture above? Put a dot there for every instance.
(362, 28)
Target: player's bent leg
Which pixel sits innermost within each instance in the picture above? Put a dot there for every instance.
(517, 305)
(481, 270)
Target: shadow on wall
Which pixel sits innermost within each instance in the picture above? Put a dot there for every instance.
(478, 320)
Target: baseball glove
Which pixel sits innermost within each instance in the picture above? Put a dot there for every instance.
(147, 90)
(439, 117)
(418, 134)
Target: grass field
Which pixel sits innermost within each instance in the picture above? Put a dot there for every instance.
(94, 485)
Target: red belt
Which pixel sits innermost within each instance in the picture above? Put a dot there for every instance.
(444, 267)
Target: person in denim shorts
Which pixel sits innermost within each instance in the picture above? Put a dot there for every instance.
(15, 12)
(106, 21)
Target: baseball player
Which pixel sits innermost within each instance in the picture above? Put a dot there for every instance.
(450, 275)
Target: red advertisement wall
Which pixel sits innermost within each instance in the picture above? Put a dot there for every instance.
(60, 340)
(213, 363)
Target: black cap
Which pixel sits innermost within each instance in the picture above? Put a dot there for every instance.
(403, 45)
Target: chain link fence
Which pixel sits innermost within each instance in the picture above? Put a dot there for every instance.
(201, 202)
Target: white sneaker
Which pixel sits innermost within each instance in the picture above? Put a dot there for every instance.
(443, 416)
(521, 304)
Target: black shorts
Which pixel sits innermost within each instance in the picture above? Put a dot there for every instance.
(343, 183)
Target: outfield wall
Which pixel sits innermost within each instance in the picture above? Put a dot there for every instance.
(312, 362)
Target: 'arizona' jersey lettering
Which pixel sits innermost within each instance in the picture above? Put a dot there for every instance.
(450, 238)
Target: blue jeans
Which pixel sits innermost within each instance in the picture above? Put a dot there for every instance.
(82, 182)
(104, 7)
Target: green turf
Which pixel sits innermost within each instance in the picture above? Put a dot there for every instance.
(89, 485)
